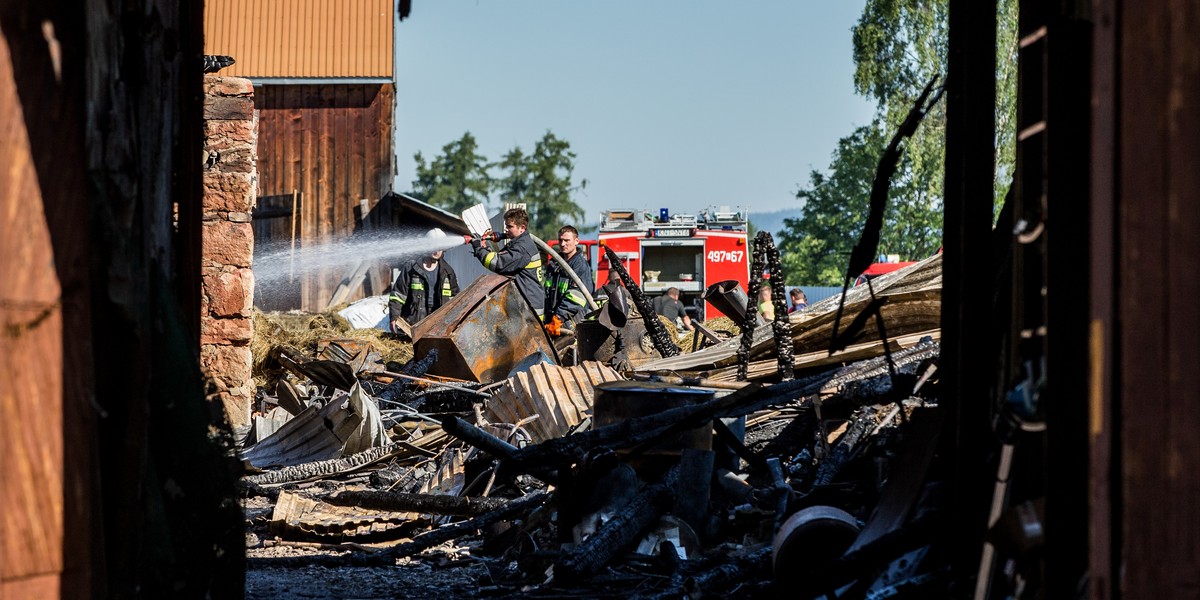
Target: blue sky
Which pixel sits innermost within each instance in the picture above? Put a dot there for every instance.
(667, 103)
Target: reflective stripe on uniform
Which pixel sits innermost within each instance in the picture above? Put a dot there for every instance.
(417, 285)
(446, 291)
(575, 297)
(487, 260)
(397, 298)
(534, 264)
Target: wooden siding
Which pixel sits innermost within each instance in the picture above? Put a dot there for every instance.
(301, 38)
(331, 145)
(31, 367)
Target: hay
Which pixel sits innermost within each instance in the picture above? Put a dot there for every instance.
(719, 325)
(302, 332)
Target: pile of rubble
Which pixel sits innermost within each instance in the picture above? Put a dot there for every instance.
(639, 475)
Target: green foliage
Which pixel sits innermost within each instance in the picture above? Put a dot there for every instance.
(460, 178)
(457, 179)
(899, 45)
(817, 244)
(542, 180)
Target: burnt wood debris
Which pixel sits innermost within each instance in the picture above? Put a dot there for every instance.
(753, 458)
(696, 499)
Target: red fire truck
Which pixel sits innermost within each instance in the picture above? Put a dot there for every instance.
(689, 252)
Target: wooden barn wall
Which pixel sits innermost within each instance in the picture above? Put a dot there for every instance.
(32, 349)
(102, 408)
(327, 147)
(1145, 317)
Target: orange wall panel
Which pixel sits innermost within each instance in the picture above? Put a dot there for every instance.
(301, 38)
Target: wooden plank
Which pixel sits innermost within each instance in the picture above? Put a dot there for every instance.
(356, 151)
(31, 359)
(1179, 102)
(310, 187)
(1149, 515)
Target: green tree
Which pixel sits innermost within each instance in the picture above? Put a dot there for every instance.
(455, 180)
(899, 45)
(543, 181)
(816, 245)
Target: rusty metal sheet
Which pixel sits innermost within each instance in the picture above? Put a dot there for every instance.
(301, 518)
(348, 424)
(482, 333)
(560, 396)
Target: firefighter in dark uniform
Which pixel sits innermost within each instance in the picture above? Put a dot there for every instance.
(565, 303)
(422, 287)
(519, 259)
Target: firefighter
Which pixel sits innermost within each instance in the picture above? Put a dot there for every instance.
(422, 287)
(565, 302)
(519, 259)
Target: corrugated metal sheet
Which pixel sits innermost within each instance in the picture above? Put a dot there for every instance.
(301, 38)
(560, 396)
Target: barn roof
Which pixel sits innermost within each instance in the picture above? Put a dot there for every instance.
(302, 39)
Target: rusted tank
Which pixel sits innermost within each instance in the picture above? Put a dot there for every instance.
(482, 333)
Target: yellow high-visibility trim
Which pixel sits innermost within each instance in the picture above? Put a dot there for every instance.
(487, 260)
(416, 285)
(534, 264)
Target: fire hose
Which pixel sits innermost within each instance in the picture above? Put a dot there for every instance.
(495, 237)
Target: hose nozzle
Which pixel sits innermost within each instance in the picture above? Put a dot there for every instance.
(489, 237)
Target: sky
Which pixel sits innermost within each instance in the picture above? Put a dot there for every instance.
(682, 104)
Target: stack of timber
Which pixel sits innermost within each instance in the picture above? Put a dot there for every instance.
(907, 300)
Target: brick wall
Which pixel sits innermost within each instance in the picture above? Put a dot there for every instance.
(230, 180)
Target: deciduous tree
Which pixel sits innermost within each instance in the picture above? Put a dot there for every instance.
(456, 179)
(543, 181)
(899, 45)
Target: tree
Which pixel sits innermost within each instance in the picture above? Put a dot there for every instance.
(899, 45)
(818, 243)
(543, 181)
(457, 179)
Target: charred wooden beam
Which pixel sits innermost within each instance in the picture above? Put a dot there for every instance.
(780, 326)
(846, 448)
(750, 322)
(691, 381)
(420, 503)
(419, 544)
(477, 437)
(651, 429)
(658, 333)
(754, 566)
(325, 468)
(624, 529)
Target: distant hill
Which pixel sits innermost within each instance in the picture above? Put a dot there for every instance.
(773, 221)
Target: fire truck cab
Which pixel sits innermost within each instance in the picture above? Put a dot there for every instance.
(689, 252)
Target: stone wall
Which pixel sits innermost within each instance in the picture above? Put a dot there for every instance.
(230, 180)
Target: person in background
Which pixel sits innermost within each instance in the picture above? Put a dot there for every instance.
(766, 308)
(519, 259)
(799, 301)
(669, 306)
(422, 286)
(565, 303)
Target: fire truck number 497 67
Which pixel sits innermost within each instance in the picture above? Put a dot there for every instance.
(685, 252)
(726, 256)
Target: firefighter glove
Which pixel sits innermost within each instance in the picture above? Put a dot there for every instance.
(554, 326)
